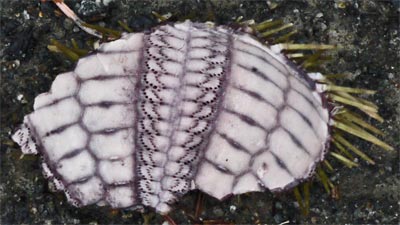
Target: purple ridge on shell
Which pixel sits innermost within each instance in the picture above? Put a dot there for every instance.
(151, 116)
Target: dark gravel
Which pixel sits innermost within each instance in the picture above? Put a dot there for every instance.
(367, 29)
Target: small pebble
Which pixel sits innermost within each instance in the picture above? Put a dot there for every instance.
(59, 32)
(20, 97)
(16, 64)
(388, 168)
(33, 210)
(218, 212)
(314, 220)
(26, 15)
(278, 218)
(104, 2)
(76, 29)
(278, 205)
(272, 5)
(89, 7)
(68, 24)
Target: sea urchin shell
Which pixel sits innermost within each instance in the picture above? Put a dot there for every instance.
(150, 116)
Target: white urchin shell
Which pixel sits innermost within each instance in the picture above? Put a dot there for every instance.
(187, 106)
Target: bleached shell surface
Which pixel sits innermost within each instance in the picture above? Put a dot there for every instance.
(188, 106)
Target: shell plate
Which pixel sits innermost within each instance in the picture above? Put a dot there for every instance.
(150, 116)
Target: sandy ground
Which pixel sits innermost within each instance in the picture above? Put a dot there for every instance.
(367, 29)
